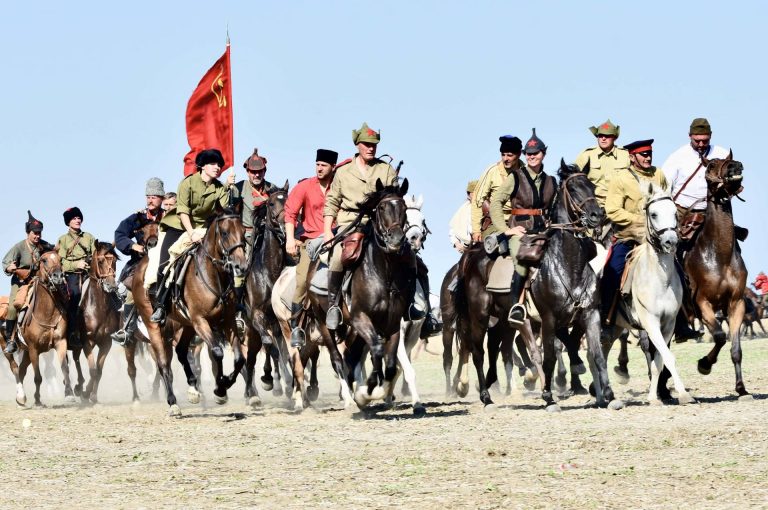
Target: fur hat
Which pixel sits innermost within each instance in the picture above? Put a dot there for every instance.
(327, 156)
(511, 144)
(155, 188)
(209, 156)
(71, 213)
(32, 224)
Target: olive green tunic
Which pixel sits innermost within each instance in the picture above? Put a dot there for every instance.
(350, 186)
(602, 167)
(196, 199)
(493, 177)
(74, 247)
(625, 204)
(26, 256)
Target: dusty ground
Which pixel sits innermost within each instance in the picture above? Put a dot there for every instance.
(119, 455)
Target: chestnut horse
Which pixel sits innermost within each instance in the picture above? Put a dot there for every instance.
(208, 308)
(43, 327)
(714, 266)
(100, 317)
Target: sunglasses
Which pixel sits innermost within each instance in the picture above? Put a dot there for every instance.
(256, 171)
(646, 154)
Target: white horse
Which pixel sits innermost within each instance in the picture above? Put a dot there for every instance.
(656, 290)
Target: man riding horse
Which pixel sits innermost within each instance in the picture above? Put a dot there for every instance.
(355, 178)
(305, 205)
(605, 160)
(21, 264)
(129, 240)
(519, 206)
(75, 249)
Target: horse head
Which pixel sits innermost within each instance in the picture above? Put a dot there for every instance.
(660, 219)
(724, 177)
(577, 196)
(224, 241)
(387, 209)
(103, 266)
(50, 269)
(416, 229)
(275, 204)
(149, 232)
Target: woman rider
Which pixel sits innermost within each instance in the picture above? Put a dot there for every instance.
(195, 202)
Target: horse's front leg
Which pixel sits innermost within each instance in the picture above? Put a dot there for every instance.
(186, 357)
(130, 360)
(104, 349)
(78, 390)
(91, 360)
(735, 317)
(239, 359)
(602, 385)
(61, 355)
(714, 327)
(409, 375)
(215, 343)
(373, 390)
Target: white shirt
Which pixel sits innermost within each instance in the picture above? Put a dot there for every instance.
(461, 225)
(678, 168)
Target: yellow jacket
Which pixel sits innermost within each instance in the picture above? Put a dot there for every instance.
(491, 180)
(625, 203)
(350, 185)
(602, 167)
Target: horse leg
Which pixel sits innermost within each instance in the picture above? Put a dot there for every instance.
(622, 369)
(34, 359)
(494, 346)
(215, 343)
(709, 319)
(572, 342)
(448, 335)
(130, 359)
(267, 381)
(186, 356)
(337, 362)
(239, 359)
(61, 354)
(80, 379)
(314, 388)
(660, 340)
(735, 316)
(21, 396)
(560, 379)
(104, 349)
(461, 379)
(603, 391)
(478, 354)
(509, 360)
(274, 352)
(409, 376)
(548, 346)
(90, 359)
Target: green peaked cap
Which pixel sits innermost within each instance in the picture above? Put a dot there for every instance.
(606, 128)
(365, 134)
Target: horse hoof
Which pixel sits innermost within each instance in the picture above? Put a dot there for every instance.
(490, 408)
(220, 400)
(529, 385)
(377, 393)
(69, 399)
(622, 374)
(174, 411)
(277, 391)
(530, 375)
(579, 390)
(742, 398)
(561, 381)
(21, 401)
(578, 369)
(553, 408)
(615, 405)
(361, 398)
(193, 396)
(267, 384)
(685, 398)
(419, 410)
(78, 390)
(254, 402)
(312, 393)
(462, 390)
(704, 366)
(654, 402)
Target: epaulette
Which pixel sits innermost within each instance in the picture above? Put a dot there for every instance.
(302, 180)
(345, 162)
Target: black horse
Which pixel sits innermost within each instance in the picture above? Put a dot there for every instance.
(565, 290)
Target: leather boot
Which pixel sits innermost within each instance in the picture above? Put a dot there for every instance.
(517, 313)
(10, 338)
(333, 317)
(163, 291)
(240, 314)
(683, 330)
(298, 338)
(125, 335)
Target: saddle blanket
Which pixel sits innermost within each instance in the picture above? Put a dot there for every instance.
(500, 279)
(286, 297)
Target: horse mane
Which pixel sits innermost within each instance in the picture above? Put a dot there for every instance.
(372, 199)
(566, 171)
(107, 247)
(226, 211)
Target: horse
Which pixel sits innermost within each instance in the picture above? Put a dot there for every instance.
(715, 268)
(208, 308)
(43, 327)
(99, 307)
(754, 313)
(656, 292)
(268, 259)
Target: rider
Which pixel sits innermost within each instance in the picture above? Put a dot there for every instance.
(520, 206)
(306, 200)
(761, 286)
(354, 179)
(20, 263)
(605, 160)
(75, 248)
(197, 197)
(625, 207)
(129, 240)
(169, 201)
(491, 179)
(460, 232)
(252, 193)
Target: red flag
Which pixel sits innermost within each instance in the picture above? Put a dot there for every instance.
(209, 115)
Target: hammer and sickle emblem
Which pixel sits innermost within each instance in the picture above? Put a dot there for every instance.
(217, 87)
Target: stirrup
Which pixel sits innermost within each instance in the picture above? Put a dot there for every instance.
(120, 337)
(11, 346)
(333, 318)
(517, 315)
(240, 324)
(158, 316)
(415, 313)
(298, 338)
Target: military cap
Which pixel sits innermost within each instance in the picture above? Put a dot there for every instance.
(70, 213)
(511, 144)
(471, 185)
(209, 156)
(700, 126)
(33, 224)
(606, 128)
(154, 187)
(534, 144)
(365, 134)
(255, 162)
(327, 156)
(639, 146)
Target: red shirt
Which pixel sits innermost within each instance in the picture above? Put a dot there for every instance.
(309, 197)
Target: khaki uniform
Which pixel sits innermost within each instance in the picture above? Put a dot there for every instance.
(625, 204)
(73, 248)
(349, 187)
(493, 177)
(197, 199)
(602, 167)
(26, 256)
(243, 192)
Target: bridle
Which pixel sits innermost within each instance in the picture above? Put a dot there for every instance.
(226, 260)
(575, 211)
(653, 235)
(381, 233)
(52, 282)
(96, 273)
(421, 229)
(722, 191)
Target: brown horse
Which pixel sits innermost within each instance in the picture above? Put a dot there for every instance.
(100, 318)
(207, 309)
(753, 314)
(44, 327)
(714, 266)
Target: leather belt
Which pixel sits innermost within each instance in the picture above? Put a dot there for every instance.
(529, 212)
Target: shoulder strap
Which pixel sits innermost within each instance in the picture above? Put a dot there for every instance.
(701, 163)
(77, 242)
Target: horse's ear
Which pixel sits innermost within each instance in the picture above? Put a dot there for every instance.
(420, 201)
(379, 185)
(586, 168)
(218, 209)
(285, 186)
(650, 189)
(730, 155)
(404, 187)
(563, 166)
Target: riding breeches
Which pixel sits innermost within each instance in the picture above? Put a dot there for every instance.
(514, 247)
(12, 313)
(302, 268)
(612, 272)
(74, 282)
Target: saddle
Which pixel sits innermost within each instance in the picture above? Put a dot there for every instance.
(22, 298)
(690, 225)
(500, 275)
(352, 248)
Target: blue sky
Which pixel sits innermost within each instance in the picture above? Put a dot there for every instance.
(94, 93)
